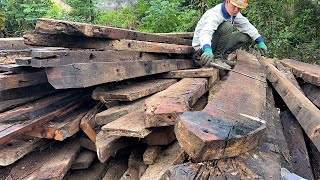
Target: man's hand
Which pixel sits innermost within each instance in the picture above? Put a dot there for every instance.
(207, 57)
(262, 48)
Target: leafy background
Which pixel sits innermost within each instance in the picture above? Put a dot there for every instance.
(290, 27)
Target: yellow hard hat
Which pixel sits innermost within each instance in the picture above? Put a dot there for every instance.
(240, 3)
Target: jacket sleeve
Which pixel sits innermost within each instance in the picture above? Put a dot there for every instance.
(243, 25)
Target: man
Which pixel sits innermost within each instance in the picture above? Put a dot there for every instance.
(214, 33)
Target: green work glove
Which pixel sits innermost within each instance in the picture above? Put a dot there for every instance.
(206, 57)
(262, 48)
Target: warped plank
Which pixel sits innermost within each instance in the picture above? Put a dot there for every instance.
(301, 107)
(18, 148)
(99, 43)
(230, 124)
(130, 125)
(171, 156)
(312, 92)
(12, 43)
(54, 58)
(52, 163)
(25, 118)
(84, 159)
(10, 81)
(163, 108)
(52, 26)
(89, 74)
(308, 72)
(131, 92)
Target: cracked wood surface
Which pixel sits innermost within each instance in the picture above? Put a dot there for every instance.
(231, 123)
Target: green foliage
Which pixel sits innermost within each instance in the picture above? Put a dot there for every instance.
(82, 11)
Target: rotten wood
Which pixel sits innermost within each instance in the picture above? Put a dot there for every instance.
(29, 116)
(89, 74)
(130, 125)
(84, 159)
(52, 26)
(131, 92)
(301, 107)
(171, 156)
(312, 92)
(163, 108)
(232, 123)
(161, 136)
(308, 72)
(151, 154)
(12, 43)
(18, 148)
(60, 40)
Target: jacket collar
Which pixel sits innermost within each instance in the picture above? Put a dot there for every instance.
(224, 11)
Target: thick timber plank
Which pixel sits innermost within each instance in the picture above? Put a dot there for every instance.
(308, 72)
(184, 35)
(163, 108)
(9, 81)
(132, 92)
(193, 73)
(88, 143)
(312, 92)
(136, 167)
(94, 172)
(15, 68)
(105, 44)
(12, 43)
(89, 74)
(130, 125)
(18, 148)
(9, 56)
(301, 107)
(231, 123)
(116, 168)
(171, 156)
(151, 154)
(52, 26)
(84, 159)
(160, 136)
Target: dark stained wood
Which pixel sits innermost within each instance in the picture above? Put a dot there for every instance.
(84, 159)
(94, 172)
(52, 163)
(151, 154)
(161, 136)
(184, 35)
(12, 43)
(116, 112)
(130, 125)
(59, 40)
(23, 61)
(163, 108)
(89, 74)
(193, 73)
(312, 92)
(308, 72)
(15, 68)
(17, 148)
(9, 81)
(82, 29)
(87, 143)
(116, 168)
(109, 146)
(136, 167)
(301, 107)
(133, 91)
(25, 118)
(171, 156)
(230, 124)
(296, 144)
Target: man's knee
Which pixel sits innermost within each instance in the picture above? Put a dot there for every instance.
(225, 28)
(244, 39)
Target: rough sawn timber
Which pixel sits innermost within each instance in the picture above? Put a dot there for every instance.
(193, 73)
(301, 107)
(52, 26)
(163, 108)
(90, 74)
(12, 43)
(37, 39)
(231, 124)
(308, 72)
(10, 81)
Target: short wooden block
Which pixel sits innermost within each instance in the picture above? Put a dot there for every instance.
(84, 159)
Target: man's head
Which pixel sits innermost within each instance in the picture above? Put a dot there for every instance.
(234, 6)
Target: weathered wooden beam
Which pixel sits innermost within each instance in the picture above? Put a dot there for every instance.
(9, 56)
(10, 81)
(308, 72)
(171, 156)
(12, 43)
(192, 73)
(231, 124)
(84, 159)
(130, 125)
(52, 26)
(312, 92)
(88, 143)
(89, 74)
(184, 35)
(301, 107)
(116, 168)
(160, 136)
(52, 163)
(15, 68)
(133, 91)
(151, 154)
(163, 108)
(105, 44)
(29, 116)
(95, 172)
(18, 148)
(117, 112)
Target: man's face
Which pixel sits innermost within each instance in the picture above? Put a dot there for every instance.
(231, 9)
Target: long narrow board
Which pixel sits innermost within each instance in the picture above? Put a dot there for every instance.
(308, 72)
(231, 123)
(90, 74)
(99, 43)
(10, 81)
(52, 26)
(15, 68)
(132, 92)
